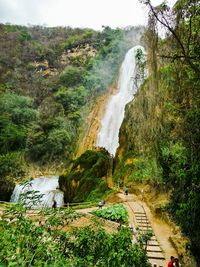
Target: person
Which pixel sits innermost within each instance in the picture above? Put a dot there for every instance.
(126, 190)
(54, 204)
(142, 193)
(171, 262)
(176, 263)
(100, 204)
(131, 229)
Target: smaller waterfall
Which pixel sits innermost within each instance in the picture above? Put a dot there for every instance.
(44, 187)
(128, 83)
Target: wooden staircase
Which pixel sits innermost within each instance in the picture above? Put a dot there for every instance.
(153, 249)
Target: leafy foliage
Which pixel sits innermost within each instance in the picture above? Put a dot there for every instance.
(71, 99)
(23, 242)
(71, 76)
(12, 163)
(114, 213)
(17, 114)
(19, 108)
(27, 243)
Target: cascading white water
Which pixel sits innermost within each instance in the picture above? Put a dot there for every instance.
(46, 186)
(108, 136)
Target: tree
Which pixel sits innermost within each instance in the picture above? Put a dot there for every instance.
(178, 147)
(17, 115)
(182, 22)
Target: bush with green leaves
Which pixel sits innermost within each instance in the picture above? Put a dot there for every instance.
(174, 162)
(71, 76)
(25, 243)
(17, 114)
(12, 164)
(50, 140)
(116, 213)
(19, 108)
(71, 98)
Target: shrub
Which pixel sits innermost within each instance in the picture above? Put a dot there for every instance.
(71, 76)
(24, 243)
(12, 164)
(115, 213)
(72, 99)
(20, 108)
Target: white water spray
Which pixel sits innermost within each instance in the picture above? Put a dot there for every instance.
(46, 186)
(108, 136)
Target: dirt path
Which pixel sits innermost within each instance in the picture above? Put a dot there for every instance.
(159, 249)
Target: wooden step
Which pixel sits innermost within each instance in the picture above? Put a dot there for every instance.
(155, 255)
(142, 220)
(153, 248)
(145, 228)
(141, 215)
(155, 244)
(144, 225)
(153, 238)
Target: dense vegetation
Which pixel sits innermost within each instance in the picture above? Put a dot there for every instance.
(160, 135)
(115, 213)
(25, 243)
(48, 79)
(86, 179)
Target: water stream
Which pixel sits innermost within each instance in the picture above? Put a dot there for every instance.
(39, 192)
(108, 136)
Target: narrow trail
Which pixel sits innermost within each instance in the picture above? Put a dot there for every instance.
(159, 248)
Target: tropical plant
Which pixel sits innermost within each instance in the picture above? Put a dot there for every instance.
(115, 213)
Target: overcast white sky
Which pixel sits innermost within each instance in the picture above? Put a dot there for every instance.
(74, 13)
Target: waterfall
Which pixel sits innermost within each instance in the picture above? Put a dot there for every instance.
(39, 192)
(108, 136)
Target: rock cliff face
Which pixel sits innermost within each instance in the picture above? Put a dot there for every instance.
(140, 134)
(78, 53)
(75, 55)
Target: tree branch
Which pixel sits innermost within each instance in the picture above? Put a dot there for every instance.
(165, 23)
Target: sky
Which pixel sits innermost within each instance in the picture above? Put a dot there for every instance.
(75, 13)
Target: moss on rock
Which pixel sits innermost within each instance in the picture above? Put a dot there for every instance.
(86, 178)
